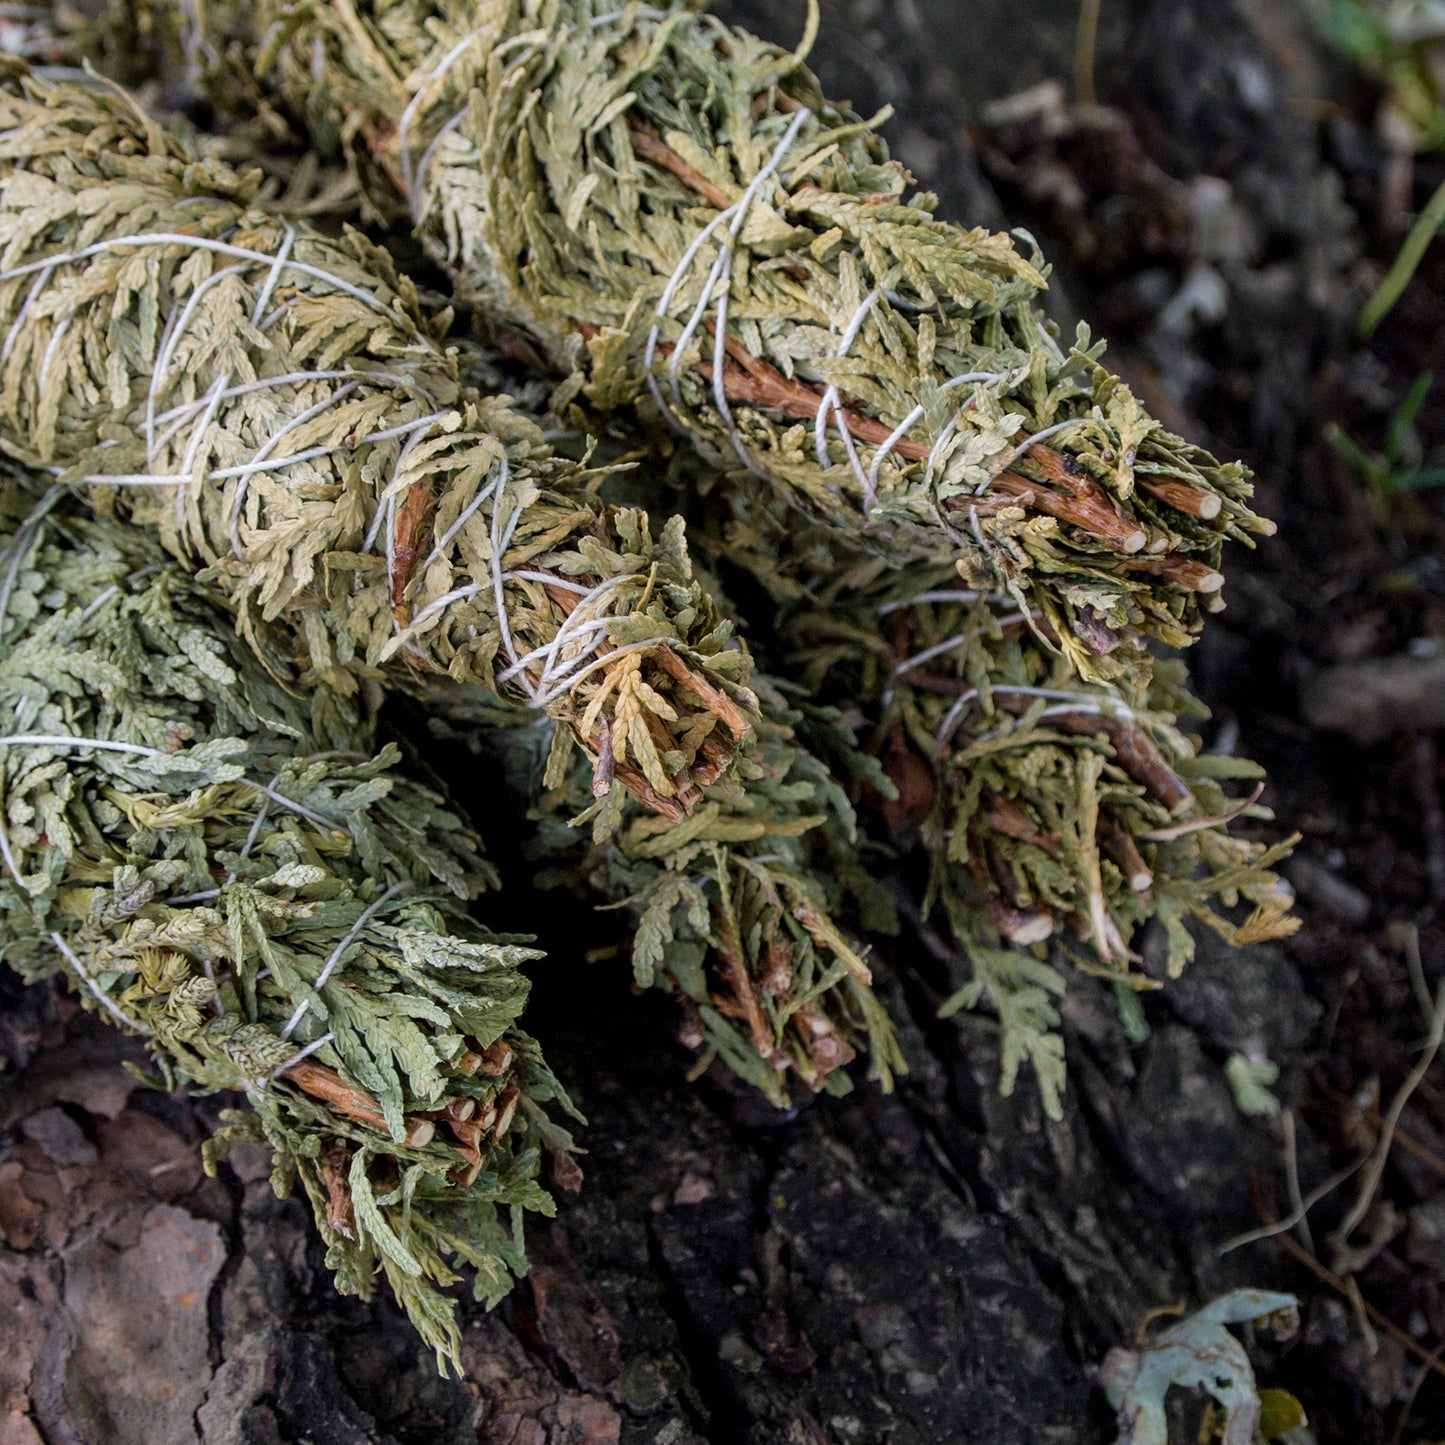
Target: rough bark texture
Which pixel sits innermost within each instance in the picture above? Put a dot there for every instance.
(941, 1265)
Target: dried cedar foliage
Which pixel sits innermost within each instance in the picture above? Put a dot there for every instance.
(280, 410)
(260, 892)
(673, 214)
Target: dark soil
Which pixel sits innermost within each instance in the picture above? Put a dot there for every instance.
(942, 1265)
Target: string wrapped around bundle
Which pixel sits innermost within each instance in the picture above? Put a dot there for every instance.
(278, 407)
(260, 893)
(671, 212)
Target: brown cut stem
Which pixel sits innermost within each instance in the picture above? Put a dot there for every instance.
(1008, 818)
(1134, 750)
(689, 792)
(411, 531)
(1116, 841)
(1087, 506)
(497, 1058)
(331, 1089)
(1194, 501)
(763, 385)
(651, 147)
(1405, 1341)
(1062, 471)
(717, 701)
(336, 1176)
(1182, 571)
(1019, 927)
(825, 1049)
(744, 1002)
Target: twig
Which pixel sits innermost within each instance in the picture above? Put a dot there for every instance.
(1407, 1142)
(1416, 969)
(1296, 1215)
(1398, 1433)
(1135, 751)
(1376, 1171)
(1362, 1320)
(1291, 1177)
(1430, 1360)
(328, 1086)
(1182, 571)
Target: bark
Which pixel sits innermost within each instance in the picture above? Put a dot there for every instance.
(940, 1265)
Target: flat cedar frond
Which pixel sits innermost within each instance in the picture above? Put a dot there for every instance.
(733, 907)
(243, 879)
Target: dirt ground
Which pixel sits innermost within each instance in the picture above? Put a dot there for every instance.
(942, 1265)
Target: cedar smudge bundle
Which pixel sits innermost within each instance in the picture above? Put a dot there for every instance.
(671, 212)
(1057, 817)
(258, 891)
(277, 406)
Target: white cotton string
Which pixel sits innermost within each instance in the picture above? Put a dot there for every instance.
(178, 414)
(499, 543)
(99, 602)
(870, 492)
(915, 416)
(21, 540)
(248, 469)
(572, 678)
(193, 446)
(428, 156)
(250, 841)
(9, 855)
(36, 287)
(414, 176)
(324, 977)
(943, 595)
(199, 243)
(56, 337)
(300, 1054)
(832, 401)
(549, 579)
(105, 1002)
(734, 218)
(1023, 447)
(106, 745)
(233, 520)
(1078, 702)
(1097, 707)
(573, 626)
(215, 987)
(403, 129)
(643, 12)
(282, 256)
(939, 648)
(457, 594)
(547, 654)
(175, 328)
